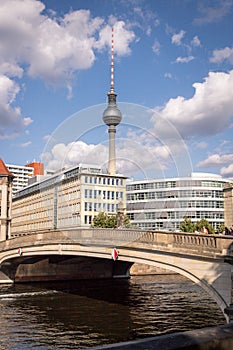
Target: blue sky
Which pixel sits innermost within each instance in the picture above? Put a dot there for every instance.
(173, 77)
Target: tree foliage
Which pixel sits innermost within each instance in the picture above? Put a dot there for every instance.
(204, 223)
(104, 220)
(188, 226)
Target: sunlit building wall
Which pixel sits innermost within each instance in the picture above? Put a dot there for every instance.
(67, 199)
(163, 203)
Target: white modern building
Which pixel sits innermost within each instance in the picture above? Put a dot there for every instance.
(22, 174)
(163, 203)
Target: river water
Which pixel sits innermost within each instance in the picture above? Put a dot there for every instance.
(83, 314)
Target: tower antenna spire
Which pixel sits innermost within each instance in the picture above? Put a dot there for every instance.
(112, 63)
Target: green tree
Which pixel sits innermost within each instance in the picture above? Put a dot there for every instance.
(221, 228)
(187, 225)
(104, 220)
(204, 223)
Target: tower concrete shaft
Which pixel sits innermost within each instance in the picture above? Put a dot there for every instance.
(112, 152)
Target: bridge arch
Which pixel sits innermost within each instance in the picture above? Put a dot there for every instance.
(205, 259)
(209, 275)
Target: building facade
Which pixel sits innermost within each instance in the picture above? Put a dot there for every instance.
(164, 203)
(67, 199)
(228, 206)
(6, 180)
(23, 174)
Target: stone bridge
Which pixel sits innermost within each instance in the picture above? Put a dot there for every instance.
(87, 253)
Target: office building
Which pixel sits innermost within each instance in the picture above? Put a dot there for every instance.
(68, 199)
(22, 174)
(164, 203)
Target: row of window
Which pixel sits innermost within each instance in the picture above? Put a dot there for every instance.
(103, 207)
(172, 184)
(175, 215)
(99, 194)
(173, 194)
(103, 181)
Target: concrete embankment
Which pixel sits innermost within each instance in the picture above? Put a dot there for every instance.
(211, 338)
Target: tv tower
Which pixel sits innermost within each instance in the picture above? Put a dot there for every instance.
(112, 116)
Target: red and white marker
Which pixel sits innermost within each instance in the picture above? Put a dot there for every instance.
(20, 251)
(115, 254)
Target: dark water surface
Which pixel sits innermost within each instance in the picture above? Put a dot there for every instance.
(77, 315)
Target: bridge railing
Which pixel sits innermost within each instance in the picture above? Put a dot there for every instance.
(161, 240)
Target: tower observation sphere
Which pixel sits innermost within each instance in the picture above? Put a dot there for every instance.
(112, 115)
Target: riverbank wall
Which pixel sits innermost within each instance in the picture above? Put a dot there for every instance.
(210, 338)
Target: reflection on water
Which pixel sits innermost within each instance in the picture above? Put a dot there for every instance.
(83, 314)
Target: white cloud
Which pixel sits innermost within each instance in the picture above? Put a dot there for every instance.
(53, 48)
(122, 38)
(74, 153)
(48, 48)
(25, 144)
(221, 55)
(168, 75)
(227, 171)
(156, 47)
(144, 18)
(152, 154)
(27, 121)
(196, 41)
(207, 112)
(214, 12)
(215, 160)
(11, 121)
(184, 59)
(176, 38)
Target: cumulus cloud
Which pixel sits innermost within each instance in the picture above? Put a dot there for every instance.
(227, 171)
(73, 153)
(221, 55)
(122, 38)
(184, 59)
(222, 161)
(49, 48)
(152, 154)
(207, 112)
(11, 121)
(215, 160)
(176, 38)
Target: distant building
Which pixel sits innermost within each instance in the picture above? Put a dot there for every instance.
(22, 174)
(68, 199)
(6, 179)
(163, 203)
(228, 205)
(38, 168)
